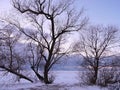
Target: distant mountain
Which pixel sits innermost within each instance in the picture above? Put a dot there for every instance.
(73, 62)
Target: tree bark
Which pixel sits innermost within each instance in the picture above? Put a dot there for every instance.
(46, 77)
(96, 71)
(95, 75)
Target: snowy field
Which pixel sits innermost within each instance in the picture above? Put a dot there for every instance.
(65, 80)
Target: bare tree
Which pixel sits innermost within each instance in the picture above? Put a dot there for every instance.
(52, 21)
(11, 61)
(94, 45)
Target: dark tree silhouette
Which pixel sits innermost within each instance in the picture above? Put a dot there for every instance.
(10, 60)
(94, 44)
(52, 20)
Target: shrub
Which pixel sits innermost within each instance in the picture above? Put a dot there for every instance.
(106, 76)
(87, 77)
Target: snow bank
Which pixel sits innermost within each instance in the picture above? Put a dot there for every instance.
(64, 80)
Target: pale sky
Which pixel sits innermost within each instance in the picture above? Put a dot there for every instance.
(102, 11)
(4, 5)
(99, 11)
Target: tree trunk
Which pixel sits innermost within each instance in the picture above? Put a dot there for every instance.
(95, 75)
(38, 75)
(96, 71)
(16, 73)
(46, 78)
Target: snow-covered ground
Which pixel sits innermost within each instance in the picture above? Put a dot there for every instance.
(64, 80)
